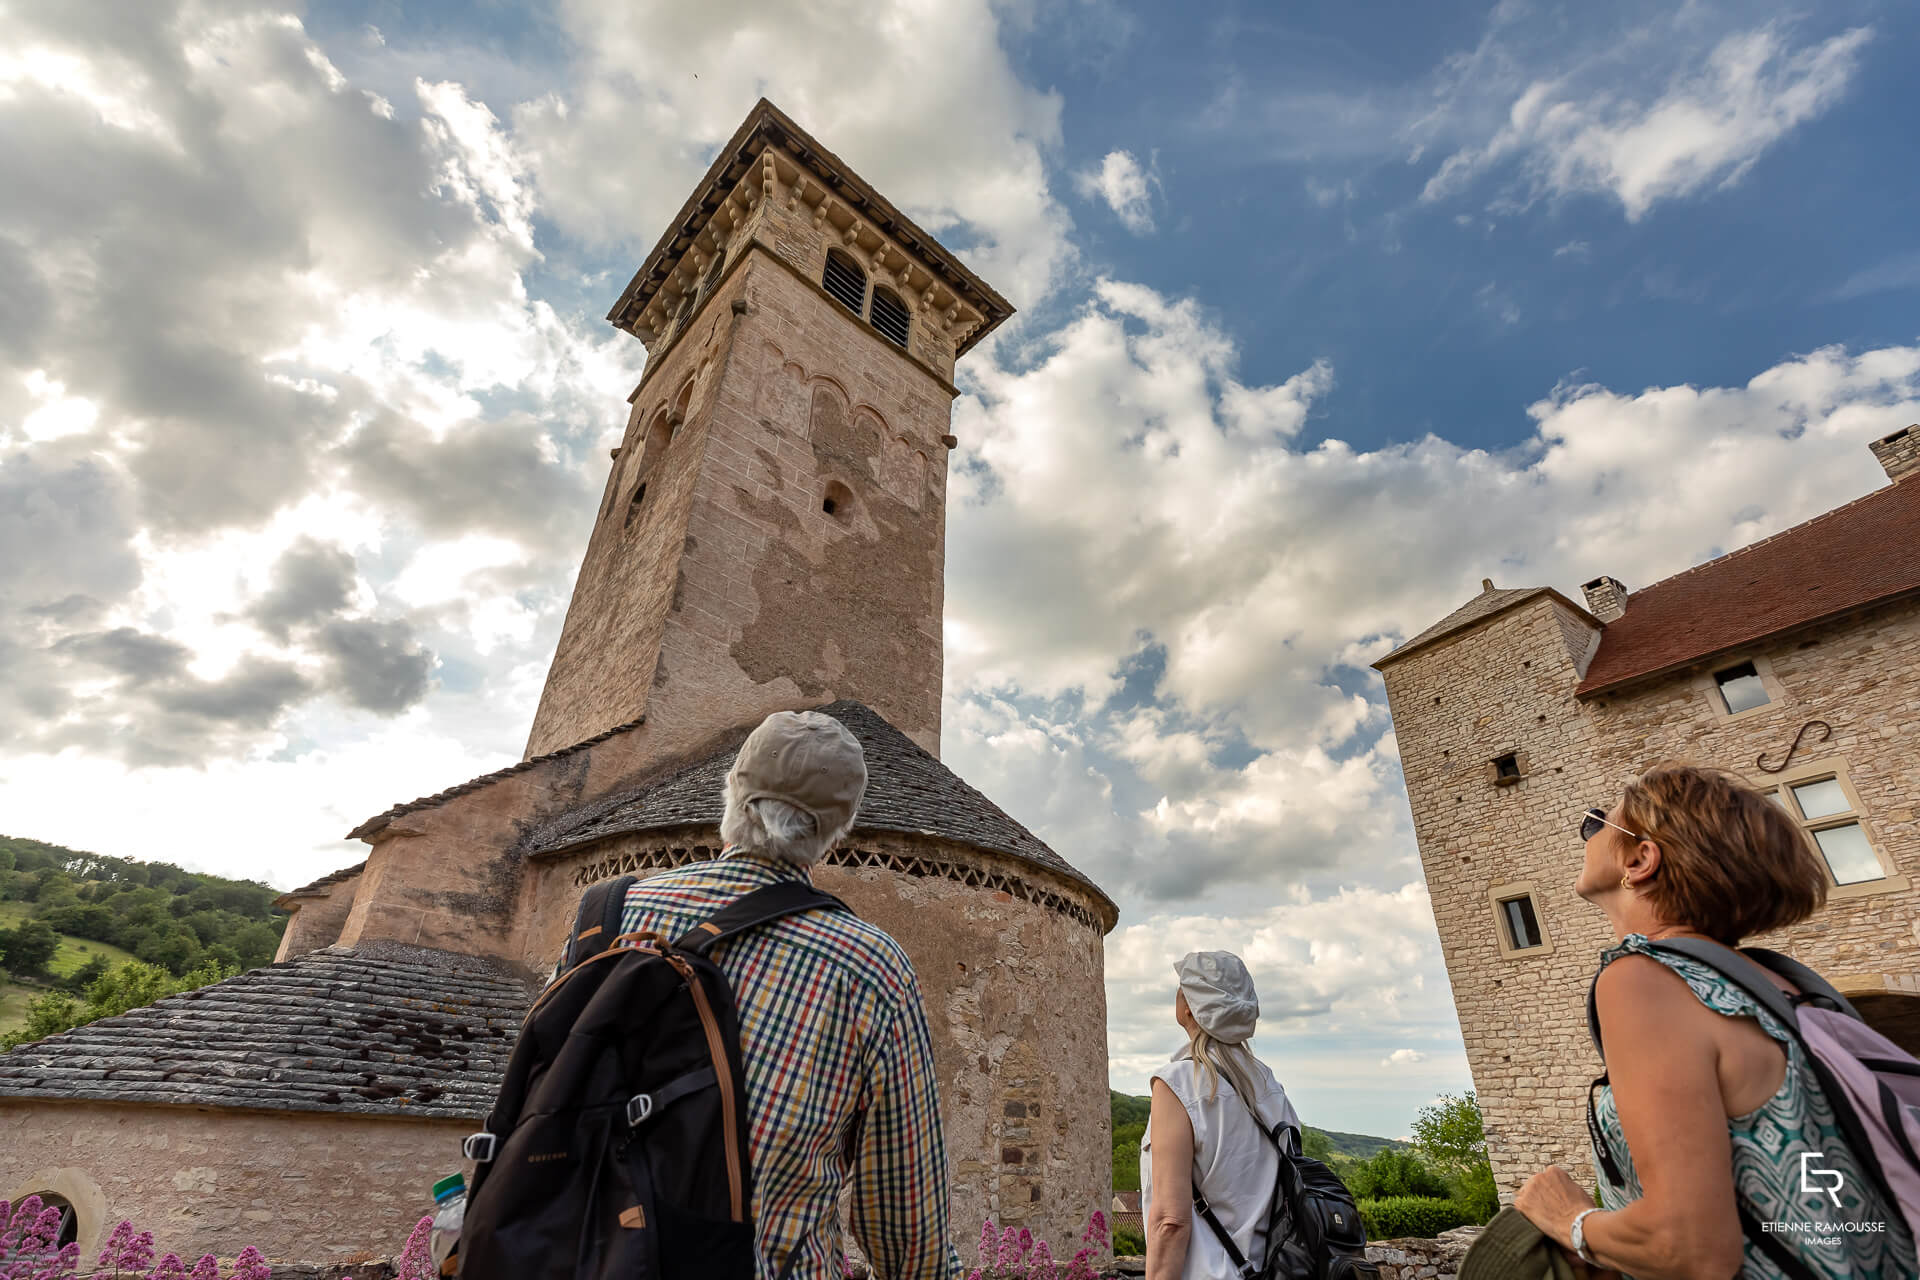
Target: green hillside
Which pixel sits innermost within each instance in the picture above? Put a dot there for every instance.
(103, 911)
(1130, 1123)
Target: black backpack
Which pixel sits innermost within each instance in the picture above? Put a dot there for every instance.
(618, 1146)
(1313, 1228)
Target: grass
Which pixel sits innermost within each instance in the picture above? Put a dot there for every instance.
(73, 953)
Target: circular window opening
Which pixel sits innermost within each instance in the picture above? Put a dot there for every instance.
(838, 501)
(69, 1230)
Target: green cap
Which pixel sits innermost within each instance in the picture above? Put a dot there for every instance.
(448, 1185)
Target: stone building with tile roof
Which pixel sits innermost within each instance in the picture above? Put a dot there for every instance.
(1793, 662)
(771, 538)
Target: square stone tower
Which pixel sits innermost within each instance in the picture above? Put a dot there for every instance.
(772, 533)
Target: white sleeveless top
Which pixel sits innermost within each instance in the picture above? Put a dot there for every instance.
(1234, 1162)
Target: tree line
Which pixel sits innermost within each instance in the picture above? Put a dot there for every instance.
(175, 920)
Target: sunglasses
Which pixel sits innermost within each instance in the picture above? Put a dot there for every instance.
(1593, 819)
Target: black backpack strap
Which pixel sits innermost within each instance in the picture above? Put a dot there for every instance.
(751, 910)
(1810, 983)
(1239, 1259)
(597, 923)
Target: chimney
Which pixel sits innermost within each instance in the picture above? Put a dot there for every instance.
(1606, 598)
(1899, 453)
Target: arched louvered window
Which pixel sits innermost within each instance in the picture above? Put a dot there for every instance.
(845, 281)
(890, 315)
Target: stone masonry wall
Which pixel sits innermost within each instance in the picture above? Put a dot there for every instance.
(1507, 685)
(1016, 1007)
(297, 1186)
(728, 592)
(318, 919)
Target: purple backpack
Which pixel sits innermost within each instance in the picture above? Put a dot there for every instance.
(1871, 1083)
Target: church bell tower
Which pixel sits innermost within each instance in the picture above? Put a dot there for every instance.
(772, 534)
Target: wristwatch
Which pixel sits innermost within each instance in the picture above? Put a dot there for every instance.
(1580, 1236)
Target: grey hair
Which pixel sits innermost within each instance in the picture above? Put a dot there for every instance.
(774, 827)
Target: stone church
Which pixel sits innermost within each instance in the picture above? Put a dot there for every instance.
(1794, 662)
(771, 538)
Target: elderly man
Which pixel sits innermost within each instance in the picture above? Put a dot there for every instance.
(840, 1082)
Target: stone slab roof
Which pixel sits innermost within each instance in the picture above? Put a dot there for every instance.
(318, 888)
(372, 826)
(767, 124)
(1854, 556)
(908, 790)
(383, 1030)
(1490, 602)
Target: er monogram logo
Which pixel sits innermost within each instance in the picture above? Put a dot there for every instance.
(1809, 1173)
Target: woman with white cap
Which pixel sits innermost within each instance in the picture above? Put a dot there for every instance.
(1214, 1106)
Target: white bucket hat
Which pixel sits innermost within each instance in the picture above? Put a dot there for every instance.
(1220, 994)
(807, 759)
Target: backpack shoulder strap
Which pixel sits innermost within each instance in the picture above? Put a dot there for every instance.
(1809, 982)
(751, 910)
(597, 922)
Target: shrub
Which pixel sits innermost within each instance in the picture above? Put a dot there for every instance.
(1128, 1243)
(1476, 1194)
(1410, 1217)
(1394, 1173)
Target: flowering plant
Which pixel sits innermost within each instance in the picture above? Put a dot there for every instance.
(29, 1230)
(1016, 1255)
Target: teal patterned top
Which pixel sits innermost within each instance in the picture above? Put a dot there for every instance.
(1767, 1145)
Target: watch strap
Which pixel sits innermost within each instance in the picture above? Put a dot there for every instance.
(1579, 1234)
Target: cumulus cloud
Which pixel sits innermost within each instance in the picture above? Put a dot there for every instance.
(1579, 132)
(961, 145)
(260, 313)
(1403, 1057)
(1124, 185)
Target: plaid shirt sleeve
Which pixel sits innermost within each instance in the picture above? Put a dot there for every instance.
(902, 1208)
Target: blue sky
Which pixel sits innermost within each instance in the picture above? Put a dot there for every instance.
(1326, 312)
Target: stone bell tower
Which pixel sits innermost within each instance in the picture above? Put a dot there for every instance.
(772, 533)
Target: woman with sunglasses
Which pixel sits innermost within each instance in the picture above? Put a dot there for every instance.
(1711, 1106)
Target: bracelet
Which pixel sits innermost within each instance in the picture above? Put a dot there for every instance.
(1579, 1235)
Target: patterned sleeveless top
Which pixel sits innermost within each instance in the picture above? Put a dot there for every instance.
(1768, 1143)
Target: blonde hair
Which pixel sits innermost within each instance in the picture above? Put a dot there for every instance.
(1214, 1058)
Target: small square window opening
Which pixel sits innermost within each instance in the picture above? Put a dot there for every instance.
(1741, 688)
(1522, 925)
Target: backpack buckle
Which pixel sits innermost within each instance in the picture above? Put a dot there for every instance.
(639, 1107)
(479, 1147)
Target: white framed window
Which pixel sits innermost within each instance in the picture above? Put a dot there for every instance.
(1821, 798)
(1741, 688)
(1746, 687)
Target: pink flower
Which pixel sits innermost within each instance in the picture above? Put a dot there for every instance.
(1009, 1256)
(249, 1265)
(1096, 1234)
(1042, 1267)
(116, 1244)
(986, 1246)
(1081, 1267)
(169, 1268)
(208, 1268)
(416, 1261)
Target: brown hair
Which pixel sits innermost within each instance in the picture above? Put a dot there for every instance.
(1733, 863)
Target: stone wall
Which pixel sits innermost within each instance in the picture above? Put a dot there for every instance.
(1436, 1259)
(298, 1186)
(722, 590)
(1507, 685)
(1016, 1008)
(318, 918)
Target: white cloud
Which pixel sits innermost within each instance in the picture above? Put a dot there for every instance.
(1124, 185)
(1709, 123)
(1403, 1057)
(960, 144)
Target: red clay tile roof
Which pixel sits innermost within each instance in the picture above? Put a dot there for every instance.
(1851, 557)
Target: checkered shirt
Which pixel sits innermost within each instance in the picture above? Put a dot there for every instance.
(834, 1038)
